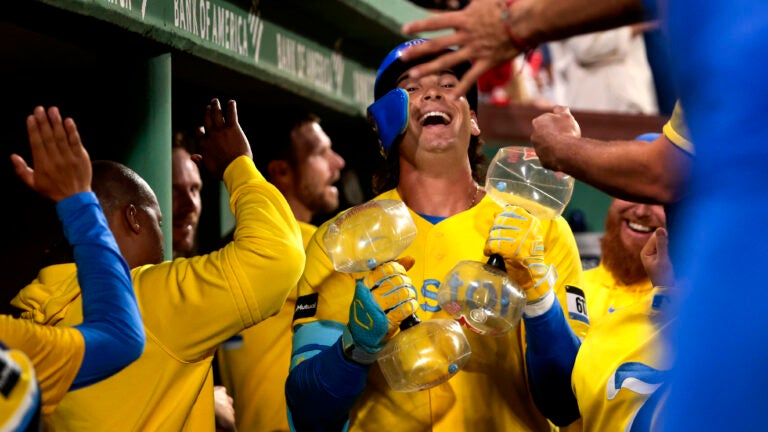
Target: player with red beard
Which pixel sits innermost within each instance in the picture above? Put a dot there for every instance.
(620, 279)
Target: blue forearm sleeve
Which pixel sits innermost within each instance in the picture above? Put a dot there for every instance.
(112, 326)
(321, 390)
(551, 353)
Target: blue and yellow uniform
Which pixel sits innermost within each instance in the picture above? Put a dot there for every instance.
(254, 366)
(625, 357)
(190, 306)
(622, 365)
(624, 361)
(491, 392)
(52, 361)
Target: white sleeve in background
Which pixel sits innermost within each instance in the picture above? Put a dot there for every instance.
(604, 71)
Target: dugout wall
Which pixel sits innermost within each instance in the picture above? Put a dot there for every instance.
(131, 72)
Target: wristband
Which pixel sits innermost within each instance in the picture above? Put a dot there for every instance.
(540, 306)
(355, 353)
(520, 44)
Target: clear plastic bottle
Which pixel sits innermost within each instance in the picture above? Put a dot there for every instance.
(479, 295)
(482, 298)
(515, 176)
(367, 235)
(422, 354)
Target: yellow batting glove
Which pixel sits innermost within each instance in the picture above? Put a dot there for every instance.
(393, 292)
(516, 236)
(383, 299)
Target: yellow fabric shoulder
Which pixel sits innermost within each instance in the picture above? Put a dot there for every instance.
(56, 354)
(676, 130)
(605, 294)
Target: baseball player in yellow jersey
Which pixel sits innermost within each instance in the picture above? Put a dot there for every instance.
(431, 145)
(37, 359)
(620, 371)
(621, 365)
(190, 306)
(620, 279)
(618, 374)
(302, 165)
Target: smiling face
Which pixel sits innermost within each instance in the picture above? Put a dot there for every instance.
(637, 222)
(628, 227)
(436, 123)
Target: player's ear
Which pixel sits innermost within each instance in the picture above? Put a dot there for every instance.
(278, 169)
(473, 120)
(131, 217)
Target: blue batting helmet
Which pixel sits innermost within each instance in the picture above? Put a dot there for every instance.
(392, 67)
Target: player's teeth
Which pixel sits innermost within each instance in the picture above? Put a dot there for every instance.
(637, 227)
(442, 115)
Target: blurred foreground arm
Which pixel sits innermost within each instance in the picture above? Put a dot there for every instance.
(489, 32)
(224, 410)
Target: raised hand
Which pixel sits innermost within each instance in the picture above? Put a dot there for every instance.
(383, 299)
(516, 236)
(61, 164)
(549, 129)
(222, 140)
(655, 258)
(559, 122)
(479, 32)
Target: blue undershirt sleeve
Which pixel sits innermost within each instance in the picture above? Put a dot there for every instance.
(551, 353)
(321, 390)
(112, 326)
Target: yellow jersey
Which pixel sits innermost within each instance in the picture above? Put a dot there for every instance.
(621, 367)
(254, 367)
(491, 392)
(604, 294)
(189, 306)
